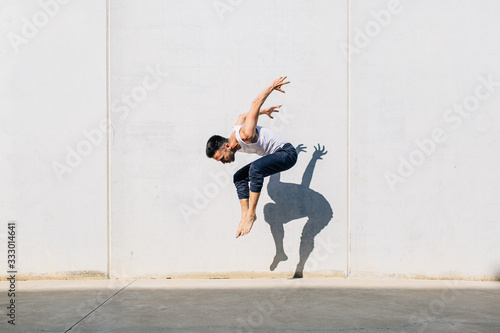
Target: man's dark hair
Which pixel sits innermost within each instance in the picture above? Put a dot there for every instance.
(215, 143)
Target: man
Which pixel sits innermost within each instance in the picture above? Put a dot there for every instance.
(277, 154)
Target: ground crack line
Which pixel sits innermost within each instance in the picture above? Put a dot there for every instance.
(88, 314)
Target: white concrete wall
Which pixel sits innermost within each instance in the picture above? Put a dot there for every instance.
(439, 216)
(183, 70)
(169, 215)
(52, 88)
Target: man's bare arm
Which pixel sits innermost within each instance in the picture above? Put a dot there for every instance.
(247, 132)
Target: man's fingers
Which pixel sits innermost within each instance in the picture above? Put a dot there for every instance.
(280, 80)
(278, 87)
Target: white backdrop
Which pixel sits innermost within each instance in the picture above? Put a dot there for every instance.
(53, 93)
(170, 214)
(418, 98)
(425, 140)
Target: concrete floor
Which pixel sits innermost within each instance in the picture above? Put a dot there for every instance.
(254, 305)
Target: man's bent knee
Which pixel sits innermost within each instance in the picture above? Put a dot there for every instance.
(238, 176)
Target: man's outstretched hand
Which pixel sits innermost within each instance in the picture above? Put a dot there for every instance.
(270, 110)
(278, 83)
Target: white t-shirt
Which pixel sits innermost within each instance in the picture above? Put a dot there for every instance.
(267, 143)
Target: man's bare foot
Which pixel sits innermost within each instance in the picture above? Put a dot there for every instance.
(245, 226)
(239, 226)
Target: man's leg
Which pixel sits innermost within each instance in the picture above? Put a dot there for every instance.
(281, 160)
(244, 207)
(252, 205)
(241, 180)
(244, 210)
(249, 218)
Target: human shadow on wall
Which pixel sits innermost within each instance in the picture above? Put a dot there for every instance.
(295, 201)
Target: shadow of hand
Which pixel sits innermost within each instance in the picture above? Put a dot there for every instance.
(301, 148)
(318, 152)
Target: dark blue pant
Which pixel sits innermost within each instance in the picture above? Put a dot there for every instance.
(281, 160)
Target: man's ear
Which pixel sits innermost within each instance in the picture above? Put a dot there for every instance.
(227, 145)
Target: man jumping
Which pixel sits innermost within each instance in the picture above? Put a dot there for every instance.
(247, 137)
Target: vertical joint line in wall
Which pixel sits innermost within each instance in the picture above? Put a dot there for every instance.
(348, 269)
(108, 142)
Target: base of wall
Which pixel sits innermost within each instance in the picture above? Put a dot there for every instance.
(75, 275)
(80, 275)
(445, 276)
(237, 275)
(90, 275)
